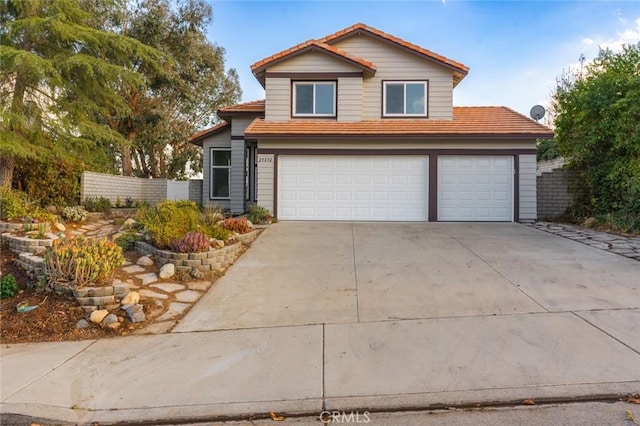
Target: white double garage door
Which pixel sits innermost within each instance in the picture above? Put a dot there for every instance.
(394, 188)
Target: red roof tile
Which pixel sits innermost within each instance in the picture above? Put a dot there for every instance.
(472, 122)
(197, 138)
(253, 106)
(460, 69)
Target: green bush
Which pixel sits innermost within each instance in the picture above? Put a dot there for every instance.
(98, 204)
(258, 215)
(77, 262)
(128, 240)
(8, 286)
(13, 204)
(49, 180)
(169, 221)
(216, 231)
(74, 214)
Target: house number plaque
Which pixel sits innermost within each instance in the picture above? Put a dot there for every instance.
(265, 158)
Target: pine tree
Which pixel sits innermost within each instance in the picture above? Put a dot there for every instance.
(62, 71)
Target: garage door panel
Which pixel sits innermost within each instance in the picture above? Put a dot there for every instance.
(353, 188)
(475, 188)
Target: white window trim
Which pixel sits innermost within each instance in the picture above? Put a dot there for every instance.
(425, 83)
(335, 100)
(212, 166)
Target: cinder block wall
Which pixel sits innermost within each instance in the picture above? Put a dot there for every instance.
(195, 190)
(94, 184)
(556, 192)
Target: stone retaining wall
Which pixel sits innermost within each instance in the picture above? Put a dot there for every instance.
(25, 244)
(32, 264)
(204, 262)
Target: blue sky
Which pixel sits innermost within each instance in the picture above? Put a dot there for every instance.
(515, 49)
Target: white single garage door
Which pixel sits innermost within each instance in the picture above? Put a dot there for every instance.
(475, 188)
(361, 188)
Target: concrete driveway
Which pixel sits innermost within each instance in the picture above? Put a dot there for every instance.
(342, 316)
(326, 273)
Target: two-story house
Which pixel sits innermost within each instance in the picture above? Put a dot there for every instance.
(360, 125)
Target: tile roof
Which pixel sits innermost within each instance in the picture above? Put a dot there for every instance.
(197, 138)
(471, 122)
(460, 69)
(253, 106)
(259, 67)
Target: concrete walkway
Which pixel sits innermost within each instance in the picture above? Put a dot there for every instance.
(361, 316)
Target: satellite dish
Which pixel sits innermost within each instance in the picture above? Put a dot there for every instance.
(537, 112)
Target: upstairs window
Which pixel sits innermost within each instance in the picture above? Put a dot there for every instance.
(314, 99)
(404, 98)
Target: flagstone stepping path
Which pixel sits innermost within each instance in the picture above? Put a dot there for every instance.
(627, 246)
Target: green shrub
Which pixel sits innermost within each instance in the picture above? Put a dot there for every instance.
(193, 242)
(212, 215)
(258, 215)
(77, 262)
(100, 204)
(13, 204)
(8, 286)
(74, 214)
(216, 231)
(51, 180)
(128, 240)
(129, 202)
(169, 221)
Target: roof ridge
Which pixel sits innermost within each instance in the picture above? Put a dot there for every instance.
(312, 42)
(360, 26)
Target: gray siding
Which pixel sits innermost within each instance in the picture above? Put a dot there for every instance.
(395, 64)
(239, 124)
(527, 188)
(220, 140)
(278, 99)
(237, 177)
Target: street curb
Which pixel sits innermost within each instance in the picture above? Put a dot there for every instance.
(472, 399)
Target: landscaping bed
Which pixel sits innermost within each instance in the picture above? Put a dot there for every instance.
(98, 277)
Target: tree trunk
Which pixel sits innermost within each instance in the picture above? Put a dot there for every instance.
(127, 168)
(7, 164)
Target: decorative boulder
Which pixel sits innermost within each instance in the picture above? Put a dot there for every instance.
(167, 270)
(131, 298)
(98, 316)
(145, 261)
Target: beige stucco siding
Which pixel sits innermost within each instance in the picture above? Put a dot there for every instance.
(220, 140)
(312, 62)
(266, 169)
(278, 99)
(395, 64)
(527, 188)
(350, 99)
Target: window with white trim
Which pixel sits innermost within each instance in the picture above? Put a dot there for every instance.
(404, 98)
(220, 173)
(314, 99)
